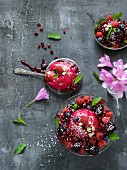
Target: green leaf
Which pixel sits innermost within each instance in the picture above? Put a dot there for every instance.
(54, 35)
(113, 136)
(20, 120)
(117, 15)
(56, 76)
(97, 77)
(20, 148)
(125, 41)
(78, 78)
(95, 27)
(109, 32)
(75, 106)
(56, 121)
(110, 48)
(96, 100)
(100, 21)
(114, 29)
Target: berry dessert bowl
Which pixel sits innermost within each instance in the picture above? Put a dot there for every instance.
(63, 76)
(84, 124)
(111, 32)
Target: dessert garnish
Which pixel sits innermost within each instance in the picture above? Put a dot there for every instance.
(20, 120)
(111, 31)
(54, 36)
(85, 126)
(20, 149)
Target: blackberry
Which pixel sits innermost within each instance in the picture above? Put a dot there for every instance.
(99, 109)
(77, 146)
(60, 130)
(111, 127)
(90, 107)
(84, 105)
(93, 150)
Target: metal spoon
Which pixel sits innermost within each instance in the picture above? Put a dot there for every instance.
(26, 72)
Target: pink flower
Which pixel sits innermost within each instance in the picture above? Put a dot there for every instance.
(105, 61)
(42, 95)
(107, 78)
(119, 87)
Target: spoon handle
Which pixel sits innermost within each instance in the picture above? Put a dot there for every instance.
(26, 72)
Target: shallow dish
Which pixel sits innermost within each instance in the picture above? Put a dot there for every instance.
(83, 125)
(110, 31)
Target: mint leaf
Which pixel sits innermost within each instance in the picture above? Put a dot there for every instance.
(125, 41)
(56, 76)
(97, 77)
(54, 35)
(78, 78)
(113, 136)
(96, 100)
(109, 32)
(20, 120)
(100, 21)
(56, 121)
(117, 15)
(20, 148)
(114, 29)
(75, 106)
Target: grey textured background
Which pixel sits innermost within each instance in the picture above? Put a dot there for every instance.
(18, 19)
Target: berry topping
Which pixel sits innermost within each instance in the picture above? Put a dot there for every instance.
(102, 143)
(122, 26)
(118, 31)
(59, 69)
(86, 99)
(82, 151)
(100, 39)
(76, 119)
(79, 101)
(115, 24)
(60, 130)
(99, 34)
(106, 120)
(109, 114)
(99, 135)
(109, 17)
(84, 120)
(77, 146)
(99, 109)
(110, 127)
(68, 115)
(69, 145)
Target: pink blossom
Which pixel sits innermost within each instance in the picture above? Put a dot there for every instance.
(42, 94)
(119, 87)
(119, 64)
(107, 78)
(105, 61)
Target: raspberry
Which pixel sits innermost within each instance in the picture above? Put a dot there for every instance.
(84, 144)
(116, 46)
(86, 99)
(59, 69)
(65, 110)
(79, 101)
(109, 114)
(49, 77)
(109, 17)
(84, 120)
(69, 145)
(82, 151)
(98, 34)
(115, 24)
(105, 120)
(99, 136)
(102, 143)
(92, 140)
(106, 108)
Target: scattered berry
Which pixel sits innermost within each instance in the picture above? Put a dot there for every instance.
(55, 57)
(49, 45)
(64, 31)
(38, 46)
(45, 47)
(36, 33)
(51, 52)
(42, 44)
(38, 24)
(41, 29)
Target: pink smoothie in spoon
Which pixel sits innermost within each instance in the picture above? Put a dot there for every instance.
(61, 75)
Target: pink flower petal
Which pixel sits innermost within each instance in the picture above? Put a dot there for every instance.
(105, 61)
(42, 94)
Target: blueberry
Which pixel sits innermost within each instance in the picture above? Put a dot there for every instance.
(118, 31)
(93, 150)
(75, 119)
(73, 103)
(99, 39)
(68, 115)
(122, 26)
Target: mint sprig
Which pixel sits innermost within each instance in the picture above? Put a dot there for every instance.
(96, 101)
(56, 76)
(117, 15)
(20, 148)
(54, 36)
(56, 121)
(113, 136)
(109, 32)
(78, 79)
(20, 120)
(100, 21)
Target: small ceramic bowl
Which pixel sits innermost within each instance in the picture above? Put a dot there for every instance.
(83, 124)
(110, 31)
(63, 76)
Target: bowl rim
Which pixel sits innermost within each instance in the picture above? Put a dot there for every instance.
(57, 91)
(95, 24)
(91, 95)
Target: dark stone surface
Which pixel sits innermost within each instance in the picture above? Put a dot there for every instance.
(18, 19)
